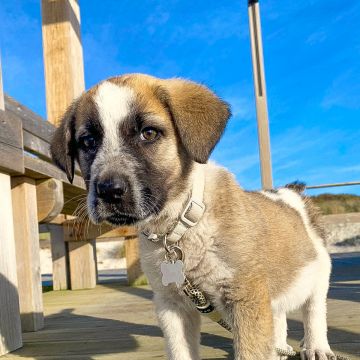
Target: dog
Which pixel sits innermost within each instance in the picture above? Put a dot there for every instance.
(143, 145)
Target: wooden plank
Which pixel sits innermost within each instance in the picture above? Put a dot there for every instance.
(75, 230)
(260, 94)
(83, 267)
(40, 169)
(59, 258)
(133, 266)
(37, 146)
(118, 322)
(10, 325)
(11, 130)
(63, 57)
(50, 199)
(11, 146)
(11, 160)
(27, 253)
(32, 123)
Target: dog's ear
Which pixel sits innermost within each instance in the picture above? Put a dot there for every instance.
(199, 115)
(62, 147)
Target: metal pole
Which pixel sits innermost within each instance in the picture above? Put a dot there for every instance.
(260, 93)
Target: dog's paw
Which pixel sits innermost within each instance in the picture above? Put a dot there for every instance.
(316, 354)
(284, 351)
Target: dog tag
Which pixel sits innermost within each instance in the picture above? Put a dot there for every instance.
(172, 272)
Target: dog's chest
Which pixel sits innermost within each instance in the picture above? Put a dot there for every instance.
(202, 265)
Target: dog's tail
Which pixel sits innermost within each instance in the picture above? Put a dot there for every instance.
(297, 186)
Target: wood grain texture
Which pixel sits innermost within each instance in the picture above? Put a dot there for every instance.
(81, 231)
(10, 325)
(133, 265)
(37, 146)
(50, 199)
(32, 122)
(39, 169)
(11, 145)
(260, 96)
(82, 261)
(27, 253)
(59, 258)
(117, 322)
(63, 57)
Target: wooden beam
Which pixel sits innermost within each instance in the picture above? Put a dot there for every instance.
(260, 94)
(27, 253)
(50, 199)
(10, 325)
(83, 231)
(63, 56)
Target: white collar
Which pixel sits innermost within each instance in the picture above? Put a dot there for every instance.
(193, 210)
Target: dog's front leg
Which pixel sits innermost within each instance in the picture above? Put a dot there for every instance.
(253, 325)
(180, 323)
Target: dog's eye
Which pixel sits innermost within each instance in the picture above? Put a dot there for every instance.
(88, 142)
(149, 134)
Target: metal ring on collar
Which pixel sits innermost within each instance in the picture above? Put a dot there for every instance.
(175, 254)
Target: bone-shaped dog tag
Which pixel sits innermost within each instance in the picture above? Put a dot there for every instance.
(172, 272)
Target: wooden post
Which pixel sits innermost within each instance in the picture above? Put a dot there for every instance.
(59, 257)
(59, 253)
(10, 325)
(260, 94)
(82, 259)
(64, 77)
(63, 57)
(27, 253)
(133, 266)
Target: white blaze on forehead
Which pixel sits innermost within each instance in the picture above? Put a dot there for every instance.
(113, 103)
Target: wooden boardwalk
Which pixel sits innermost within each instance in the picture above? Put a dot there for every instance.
(118, 322)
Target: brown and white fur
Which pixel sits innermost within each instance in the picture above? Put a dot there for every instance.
(256, 255)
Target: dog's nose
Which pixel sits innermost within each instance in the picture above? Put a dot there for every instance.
(111, 190)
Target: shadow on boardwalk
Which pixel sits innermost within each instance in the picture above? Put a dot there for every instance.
(117, 322)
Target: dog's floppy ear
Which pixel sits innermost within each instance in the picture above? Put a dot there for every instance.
(199, 115)
(62, 147)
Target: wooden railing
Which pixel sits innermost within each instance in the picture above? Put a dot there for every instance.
(33, 190)
(41, 194)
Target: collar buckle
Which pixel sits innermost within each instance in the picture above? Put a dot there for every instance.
(193, 212)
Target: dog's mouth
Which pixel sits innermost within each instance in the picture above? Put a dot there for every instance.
(114, 214)
(121, 219)
(127, 212)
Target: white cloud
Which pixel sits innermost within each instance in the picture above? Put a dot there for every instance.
(316, 37)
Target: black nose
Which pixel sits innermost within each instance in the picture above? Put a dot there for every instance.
(111, 189)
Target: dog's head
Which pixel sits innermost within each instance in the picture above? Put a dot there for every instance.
(136, 138)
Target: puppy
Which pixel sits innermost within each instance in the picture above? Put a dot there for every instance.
(142, 145)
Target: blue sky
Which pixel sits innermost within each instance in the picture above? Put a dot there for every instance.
(312, 63)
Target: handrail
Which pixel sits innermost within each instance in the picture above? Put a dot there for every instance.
(321, 186)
